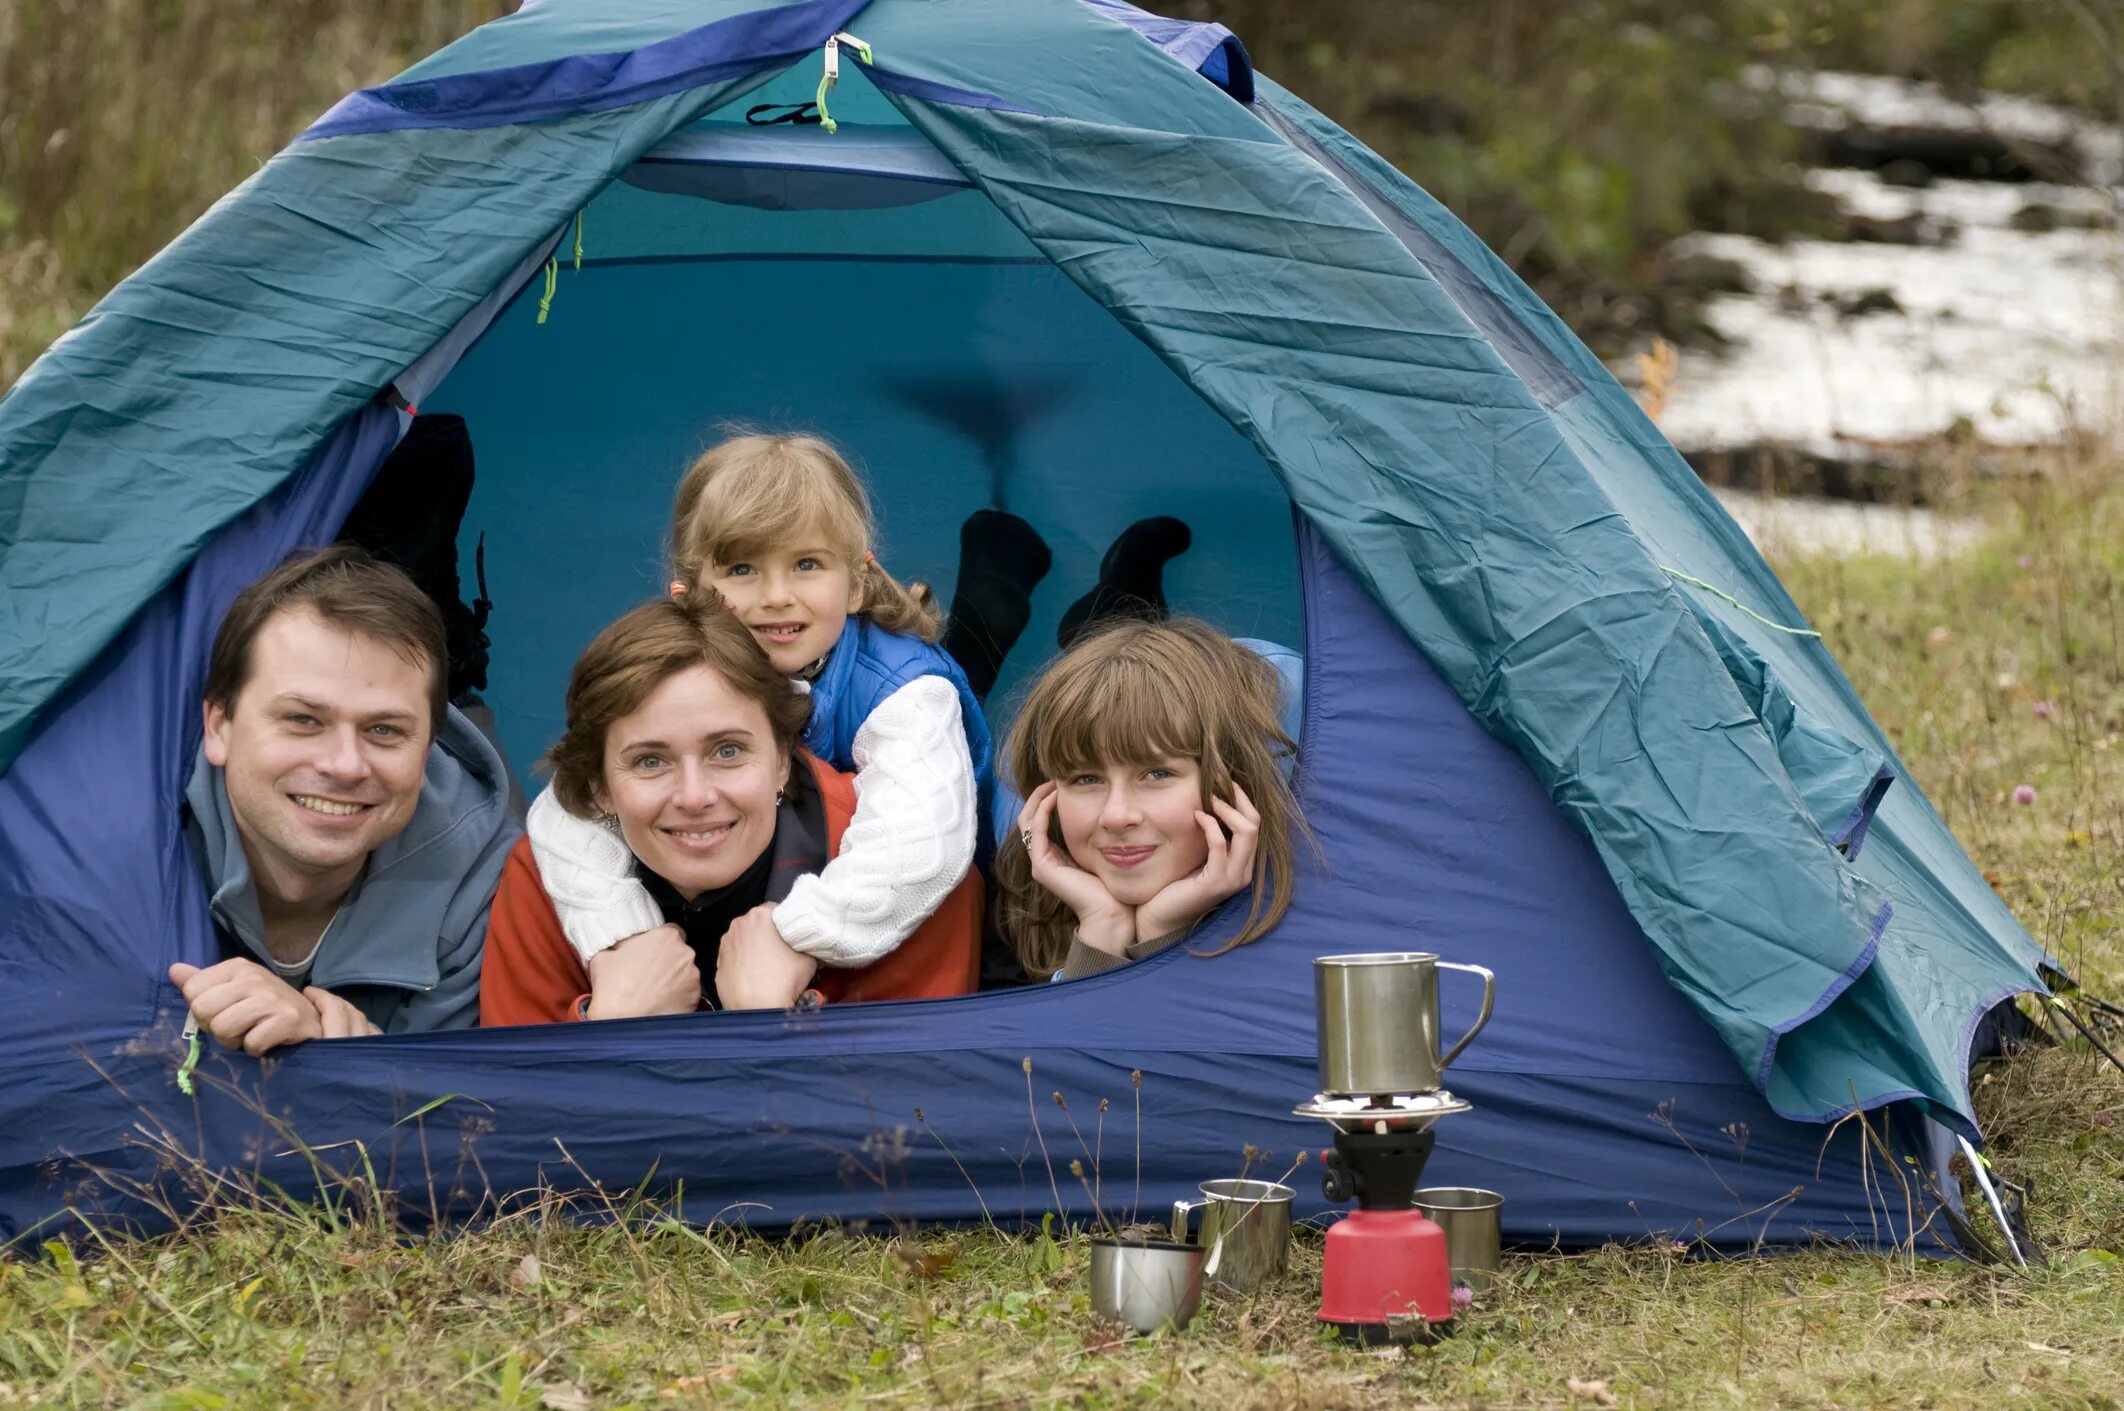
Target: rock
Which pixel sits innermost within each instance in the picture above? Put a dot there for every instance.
(1853, 472)
(1705, 273)
(1867, 301)
(1967, 153)
(1906, 172)
(2041, 217)
(1914, 228)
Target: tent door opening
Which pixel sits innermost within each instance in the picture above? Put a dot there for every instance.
(854, 286)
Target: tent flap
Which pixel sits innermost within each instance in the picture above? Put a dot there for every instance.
(1437, 476)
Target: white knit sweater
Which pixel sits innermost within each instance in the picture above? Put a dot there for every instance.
(909, 843)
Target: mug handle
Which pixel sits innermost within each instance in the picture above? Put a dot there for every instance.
(1182, 1211)
(1489, 998)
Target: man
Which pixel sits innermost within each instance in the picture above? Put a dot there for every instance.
(350, 825)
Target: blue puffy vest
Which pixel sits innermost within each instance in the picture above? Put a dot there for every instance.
(867, 665)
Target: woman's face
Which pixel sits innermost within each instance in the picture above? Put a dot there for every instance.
(692, 777)
(1133, 826)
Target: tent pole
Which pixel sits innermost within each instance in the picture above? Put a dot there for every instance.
(1991, 1194)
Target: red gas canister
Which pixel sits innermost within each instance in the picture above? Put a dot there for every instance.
(1385, 1263)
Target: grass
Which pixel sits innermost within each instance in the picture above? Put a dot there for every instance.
(1997, 668)
(274, 1308)
(263, 1306)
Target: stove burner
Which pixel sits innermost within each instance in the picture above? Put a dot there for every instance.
(1395, 1112)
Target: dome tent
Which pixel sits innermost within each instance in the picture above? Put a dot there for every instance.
(1079, 262)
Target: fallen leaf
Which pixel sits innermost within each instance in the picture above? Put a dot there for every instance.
(1107, 1337)
(927, 1266)
(693, 1383)
(527, 1273)
(565, 1397)
(1594, 1391)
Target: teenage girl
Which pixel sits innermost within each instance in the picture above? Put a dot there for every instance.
(1149, 754)
(780, 528)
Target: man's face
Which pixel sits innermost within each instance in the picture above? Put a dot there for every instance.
(325, 750)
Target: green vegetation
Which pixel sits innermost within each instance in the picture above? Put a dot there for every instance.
(122, 120)
(263, 1307)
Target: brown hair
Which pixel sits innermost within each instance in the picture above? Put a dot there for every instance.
(353, 591)
(627, 662)
(755, 490)
(1135, 693)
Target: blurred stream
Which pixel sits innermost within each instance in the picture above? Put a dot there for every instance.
(1989, 308)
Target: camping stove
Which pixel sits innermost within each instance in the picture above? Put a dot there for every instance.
(1386, 1276)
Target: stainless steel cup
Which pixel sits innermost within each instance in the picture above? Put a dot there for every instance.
(1469, 1218)
(1378, 1022)
(1147, 1284)
(1246, 1229)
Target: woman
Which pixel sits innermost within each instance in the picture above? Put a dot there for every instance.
(682, 739)
(1150, 758)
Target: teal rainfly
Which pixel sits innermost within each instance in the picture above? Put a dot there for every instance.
(1078, 262)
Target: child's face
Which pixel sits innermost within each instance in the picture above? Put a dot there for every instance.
(796, 600)
(1134, 826)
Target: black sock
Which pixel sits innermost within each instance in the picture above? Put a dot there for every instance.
(1131, 578)
(1001, 560)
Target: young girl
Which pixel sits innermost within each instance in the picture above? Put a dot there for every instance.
(779, 527)
(1149, 753)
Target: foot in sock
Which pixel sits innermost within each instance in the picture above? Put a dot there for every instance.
(1131, 578)
(1001, 560)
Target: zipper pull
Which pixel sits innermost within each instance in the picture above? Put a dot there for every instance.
(190, 1039)
(832, 73)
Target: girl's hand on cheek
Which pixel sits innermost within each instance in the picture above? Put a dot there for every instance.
(1227, 870)
(755, 968)
(1102, 923)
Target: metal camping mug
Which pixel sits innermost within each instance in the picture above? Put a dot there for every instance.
(1246, 1227)
(1378, 1022)
(1146, 1284)
(1469, 1218)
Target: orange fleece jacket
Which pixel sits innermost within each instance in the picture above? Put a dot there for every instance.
(531, 974)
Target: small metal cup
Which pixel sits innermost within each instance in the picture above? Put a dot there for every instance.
(1469, 1218)
(1246, 1227)
(1146, 1284)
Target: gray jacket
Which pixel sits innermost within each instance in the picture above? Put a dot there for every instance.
(406, 947)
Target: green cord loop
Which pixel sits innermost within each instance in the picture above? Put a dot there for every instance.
(1722, 593)
(545, 301)
(825, 118)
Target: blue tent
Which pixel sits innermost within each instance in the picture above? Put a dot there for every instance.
(1076, 261)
